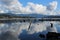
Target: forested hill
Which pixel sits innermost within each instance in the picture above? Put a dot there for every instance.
(9, 15)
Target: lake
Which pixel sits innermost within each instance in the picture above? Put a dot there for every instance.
(21, 29)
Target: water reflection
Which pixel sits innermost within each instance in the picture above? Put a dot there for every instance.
(21, 28)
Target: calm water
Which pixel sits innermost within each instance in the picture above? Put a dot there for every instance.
(21, 29)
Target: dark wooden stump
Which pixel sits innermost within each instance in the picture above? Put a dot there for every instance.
(52, 36)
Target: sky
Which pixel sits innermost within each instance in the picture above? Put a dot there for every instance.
(44, 2)
(45, 7)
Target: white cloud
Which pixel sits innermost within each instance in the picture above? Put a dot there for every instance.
(52, 5)
(37, 8)
(14, 6)
(32, 8)
(1, 11)
(51, 8)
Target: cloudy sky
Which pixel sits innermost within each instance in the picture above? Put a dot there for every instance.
(46, 7)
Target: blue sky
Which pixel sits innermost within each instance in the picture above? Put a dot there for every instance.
(47, 7)
(43, 2)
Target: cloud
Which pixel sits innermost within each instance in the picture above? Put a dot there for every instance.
(36, 8)
(32, 8)
(8, 2)
(14, 6)
(51, 8)
(58, 12)
(17, 7)
(52, 5)
(1, 11)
